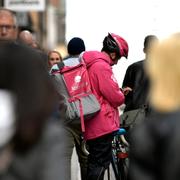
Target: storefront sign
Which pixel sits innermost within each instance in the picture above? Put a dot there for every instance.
(25, 5)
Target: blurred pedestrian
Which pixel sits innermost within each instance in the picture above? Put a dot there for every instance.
(155, 145)
(8, 25)
(31, 144)
(27, 37)
(74, 135)
(136, 79)
(54, 57)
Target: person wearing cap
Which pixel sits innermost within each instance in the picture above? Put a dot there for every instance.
(75, 47)
(100, 129)
(73, 131)
(136, 79)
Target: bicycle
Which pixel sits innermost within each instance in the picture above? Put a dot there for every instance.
(120, 162)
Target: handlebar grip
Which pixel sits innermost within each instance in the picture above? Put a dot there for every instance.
(121, 131)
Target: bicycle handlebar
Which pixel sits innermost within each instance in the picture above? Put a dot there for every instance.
(121, 131)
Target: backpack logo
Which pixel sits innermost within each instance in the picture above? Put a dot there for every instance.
(77, 79)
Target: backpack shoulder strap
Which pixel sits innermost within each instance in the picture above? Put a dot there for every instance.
(60, 65)
(81, 60)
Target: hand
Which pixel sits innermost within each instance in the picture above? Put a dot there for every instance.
(126, 90)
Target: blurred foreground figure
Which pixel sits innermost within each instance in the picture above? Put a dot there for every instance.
(31, 143)
(155, 145)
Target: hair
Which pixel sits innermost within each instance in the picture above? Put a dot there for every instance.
(148, 40)
(24, 35)
(163, 67)
(22, 72)
(54, 51)
(12, 13)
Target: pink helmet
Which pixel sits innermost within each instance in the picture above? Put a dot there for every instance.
(122, 44)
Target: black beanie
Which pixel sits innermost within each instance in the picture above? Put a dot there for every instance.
(75, 46)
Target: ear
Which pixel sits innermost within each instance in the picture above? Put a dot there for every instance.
(144, 50)
(112, 55)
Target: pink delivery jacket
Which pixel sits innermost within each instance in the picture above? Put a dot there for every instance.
(107, 91)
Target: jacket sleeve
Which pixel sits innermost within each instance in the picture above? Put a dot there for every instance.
(108, 86)
(129, 78)
(128, 81)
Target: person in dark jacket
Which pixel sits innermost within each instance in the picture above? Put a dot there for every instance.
(155, 145)
(136, 79)
(31, 144)
(99, 130)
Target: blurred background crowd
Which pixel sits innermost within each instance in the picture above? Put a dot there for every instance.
(46, 21)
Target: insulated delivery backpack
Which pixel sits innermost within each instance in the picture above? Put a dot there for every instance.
(76, 99)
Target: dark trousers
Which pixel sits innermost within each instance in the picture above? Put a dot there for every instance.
(100, 156)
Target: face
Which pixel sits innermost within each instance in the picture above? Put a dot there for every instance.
(114, 58)
(54, 58)
(8, 28)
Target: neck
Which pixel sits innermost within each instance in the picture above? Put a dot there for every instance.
(164, 100)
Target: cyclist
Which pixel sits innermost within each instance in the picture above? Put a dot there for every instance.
(99, 130)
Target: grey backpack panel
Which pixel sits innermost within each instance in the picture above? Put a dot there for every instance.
(70, 111)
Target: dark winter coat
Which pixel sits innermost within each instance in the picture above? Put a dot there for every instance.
(137, 80)
(44, 161)
(155, 148)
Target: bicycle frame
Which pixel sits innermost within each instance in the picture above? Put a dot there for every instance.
(120, 149)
